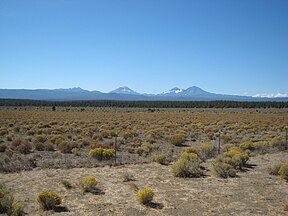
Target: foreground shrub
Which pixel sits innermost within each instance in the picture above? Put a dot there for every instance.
(177, 139)
(235, 158)
(8, 205)
(6, 201)
(17, 209)
(160, 158)
(283, 171)
(187, 168)
(48, 200)
(224, 170)
(145, 196)
(88, 184)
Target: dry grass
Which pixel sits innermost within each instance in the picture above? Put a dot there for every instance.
(42, 136)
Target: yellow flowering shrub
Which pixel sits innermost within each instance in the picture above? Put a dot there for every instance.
(145, 196)
(101, 153)
(283, 171)
(88, 183)
(48, 200)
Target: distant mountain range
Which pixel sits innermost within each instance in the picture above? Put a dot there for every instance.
(193, 93)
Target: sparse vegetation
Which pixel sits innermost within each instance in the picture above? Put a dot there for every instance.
(283, 171)
(160, 158)
(66, 184)
(177, 139)
(101, 153)
(32, 138)
(88, 184)
(48, 200)
(187, 166)
(145, 196)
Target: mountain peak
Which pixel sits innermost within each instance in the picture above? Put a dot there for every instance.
(195, 90)
(174, 90)
(124, 90)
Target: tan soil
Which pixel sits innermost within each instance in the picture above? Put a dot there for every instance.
(253, 192)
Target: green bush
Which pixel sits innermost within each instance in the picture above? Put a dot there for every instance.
(177, 139)
(207, 150)
(48, 200)
(224, 170)
(160, 158)
(190, 156)
(145, 196)
(235, 158)
(187, 168)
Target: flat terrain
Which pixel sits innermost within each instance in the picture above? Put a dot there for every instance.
(41, 148)
(253, 192)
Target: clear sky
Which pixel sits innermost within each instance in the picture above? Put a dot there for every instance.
(222, 46)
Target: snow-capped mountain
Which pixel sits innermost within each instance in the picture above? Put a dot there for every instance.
(124, 90)
(174, 90)
(193, 93)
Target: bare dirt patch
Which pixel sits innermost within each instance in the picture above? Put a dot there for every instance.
(253, 192)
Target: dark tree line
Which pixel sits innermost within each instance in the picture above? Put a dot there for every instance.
(146, 104)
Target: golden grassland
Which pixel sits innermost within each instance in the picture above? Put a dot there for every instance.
(64, 147)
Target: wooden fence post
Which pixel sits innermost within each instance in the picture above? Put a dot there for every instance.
(115, 148)
(219, 144)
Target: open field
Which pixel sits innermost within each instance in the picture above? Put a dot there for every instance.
(41, 148)
(253, 192)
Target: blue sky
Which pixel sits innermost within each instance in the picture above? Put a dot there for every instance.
(222, 46)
